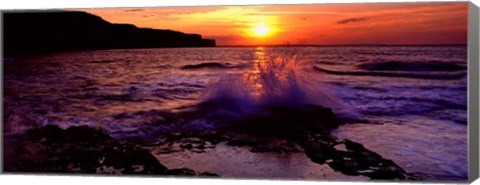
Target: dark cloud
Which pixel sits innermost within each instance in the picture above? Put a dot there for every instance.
(352, 20)
(134, 10)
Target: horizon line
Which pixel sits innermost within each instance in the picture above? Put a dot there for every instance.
(336, 45)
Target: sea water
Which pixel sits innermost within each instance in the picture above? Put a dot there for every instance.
(407, 103)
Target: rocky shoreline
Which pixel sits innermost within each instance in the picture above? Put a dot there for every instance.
(278, 130)
(81, 149)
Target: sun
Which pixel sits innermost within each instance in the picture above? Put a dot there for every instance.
(261, 31)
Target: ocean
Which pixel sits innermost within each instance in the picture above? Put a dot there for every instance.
(406, 103)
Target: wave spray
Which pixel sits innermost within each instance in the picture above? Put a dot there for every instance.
(275, 79)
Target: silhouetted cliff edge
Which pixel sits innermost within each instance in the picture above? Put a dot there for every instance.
(51, 31)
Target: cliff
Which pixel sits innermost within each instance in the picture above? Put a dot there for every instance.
(52, 31)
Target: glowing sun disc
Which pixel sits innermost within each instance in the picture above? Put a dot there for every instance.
(261, 30)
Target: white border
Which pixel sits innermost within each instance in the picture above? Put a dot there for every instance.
(56, 4)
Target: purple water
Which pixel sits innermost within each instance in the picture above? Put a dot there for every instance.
(411, 101)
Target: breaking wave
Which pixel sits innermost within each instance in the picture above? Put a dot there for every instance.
(273, 80)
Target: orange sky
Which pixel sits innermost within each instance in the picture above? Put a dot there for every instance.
(324, 24)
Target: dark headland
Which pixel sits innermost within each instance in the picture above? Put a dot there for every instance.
(53, 31)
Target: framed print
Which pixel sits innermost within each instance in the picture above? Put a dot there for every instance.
(343, 92)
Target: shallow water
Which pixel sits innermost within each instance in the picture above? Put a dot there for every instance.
(239, 162)
(419, 122)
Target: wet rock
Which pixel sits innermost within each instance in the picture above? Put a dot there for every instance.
(186, 146)
(355, 160)
(84, 150)
(48, 133)
(85, 134)
(40, 111)
(288, 122)
(318, 152)
(208, 174)
(181, 172)
(201, 147)
(281, 128)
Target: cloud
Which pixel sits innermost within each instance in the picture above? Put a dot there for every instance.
(134, 10)
(352, 20)
(296, 13)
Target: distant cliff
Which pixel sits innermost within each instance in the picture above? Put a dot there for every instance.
(52, 31)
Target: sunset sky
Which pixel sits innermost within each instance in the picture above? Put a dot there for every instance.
(323, 24)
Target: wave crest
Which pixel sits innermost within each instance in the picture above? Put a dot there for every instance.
(273, 80)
